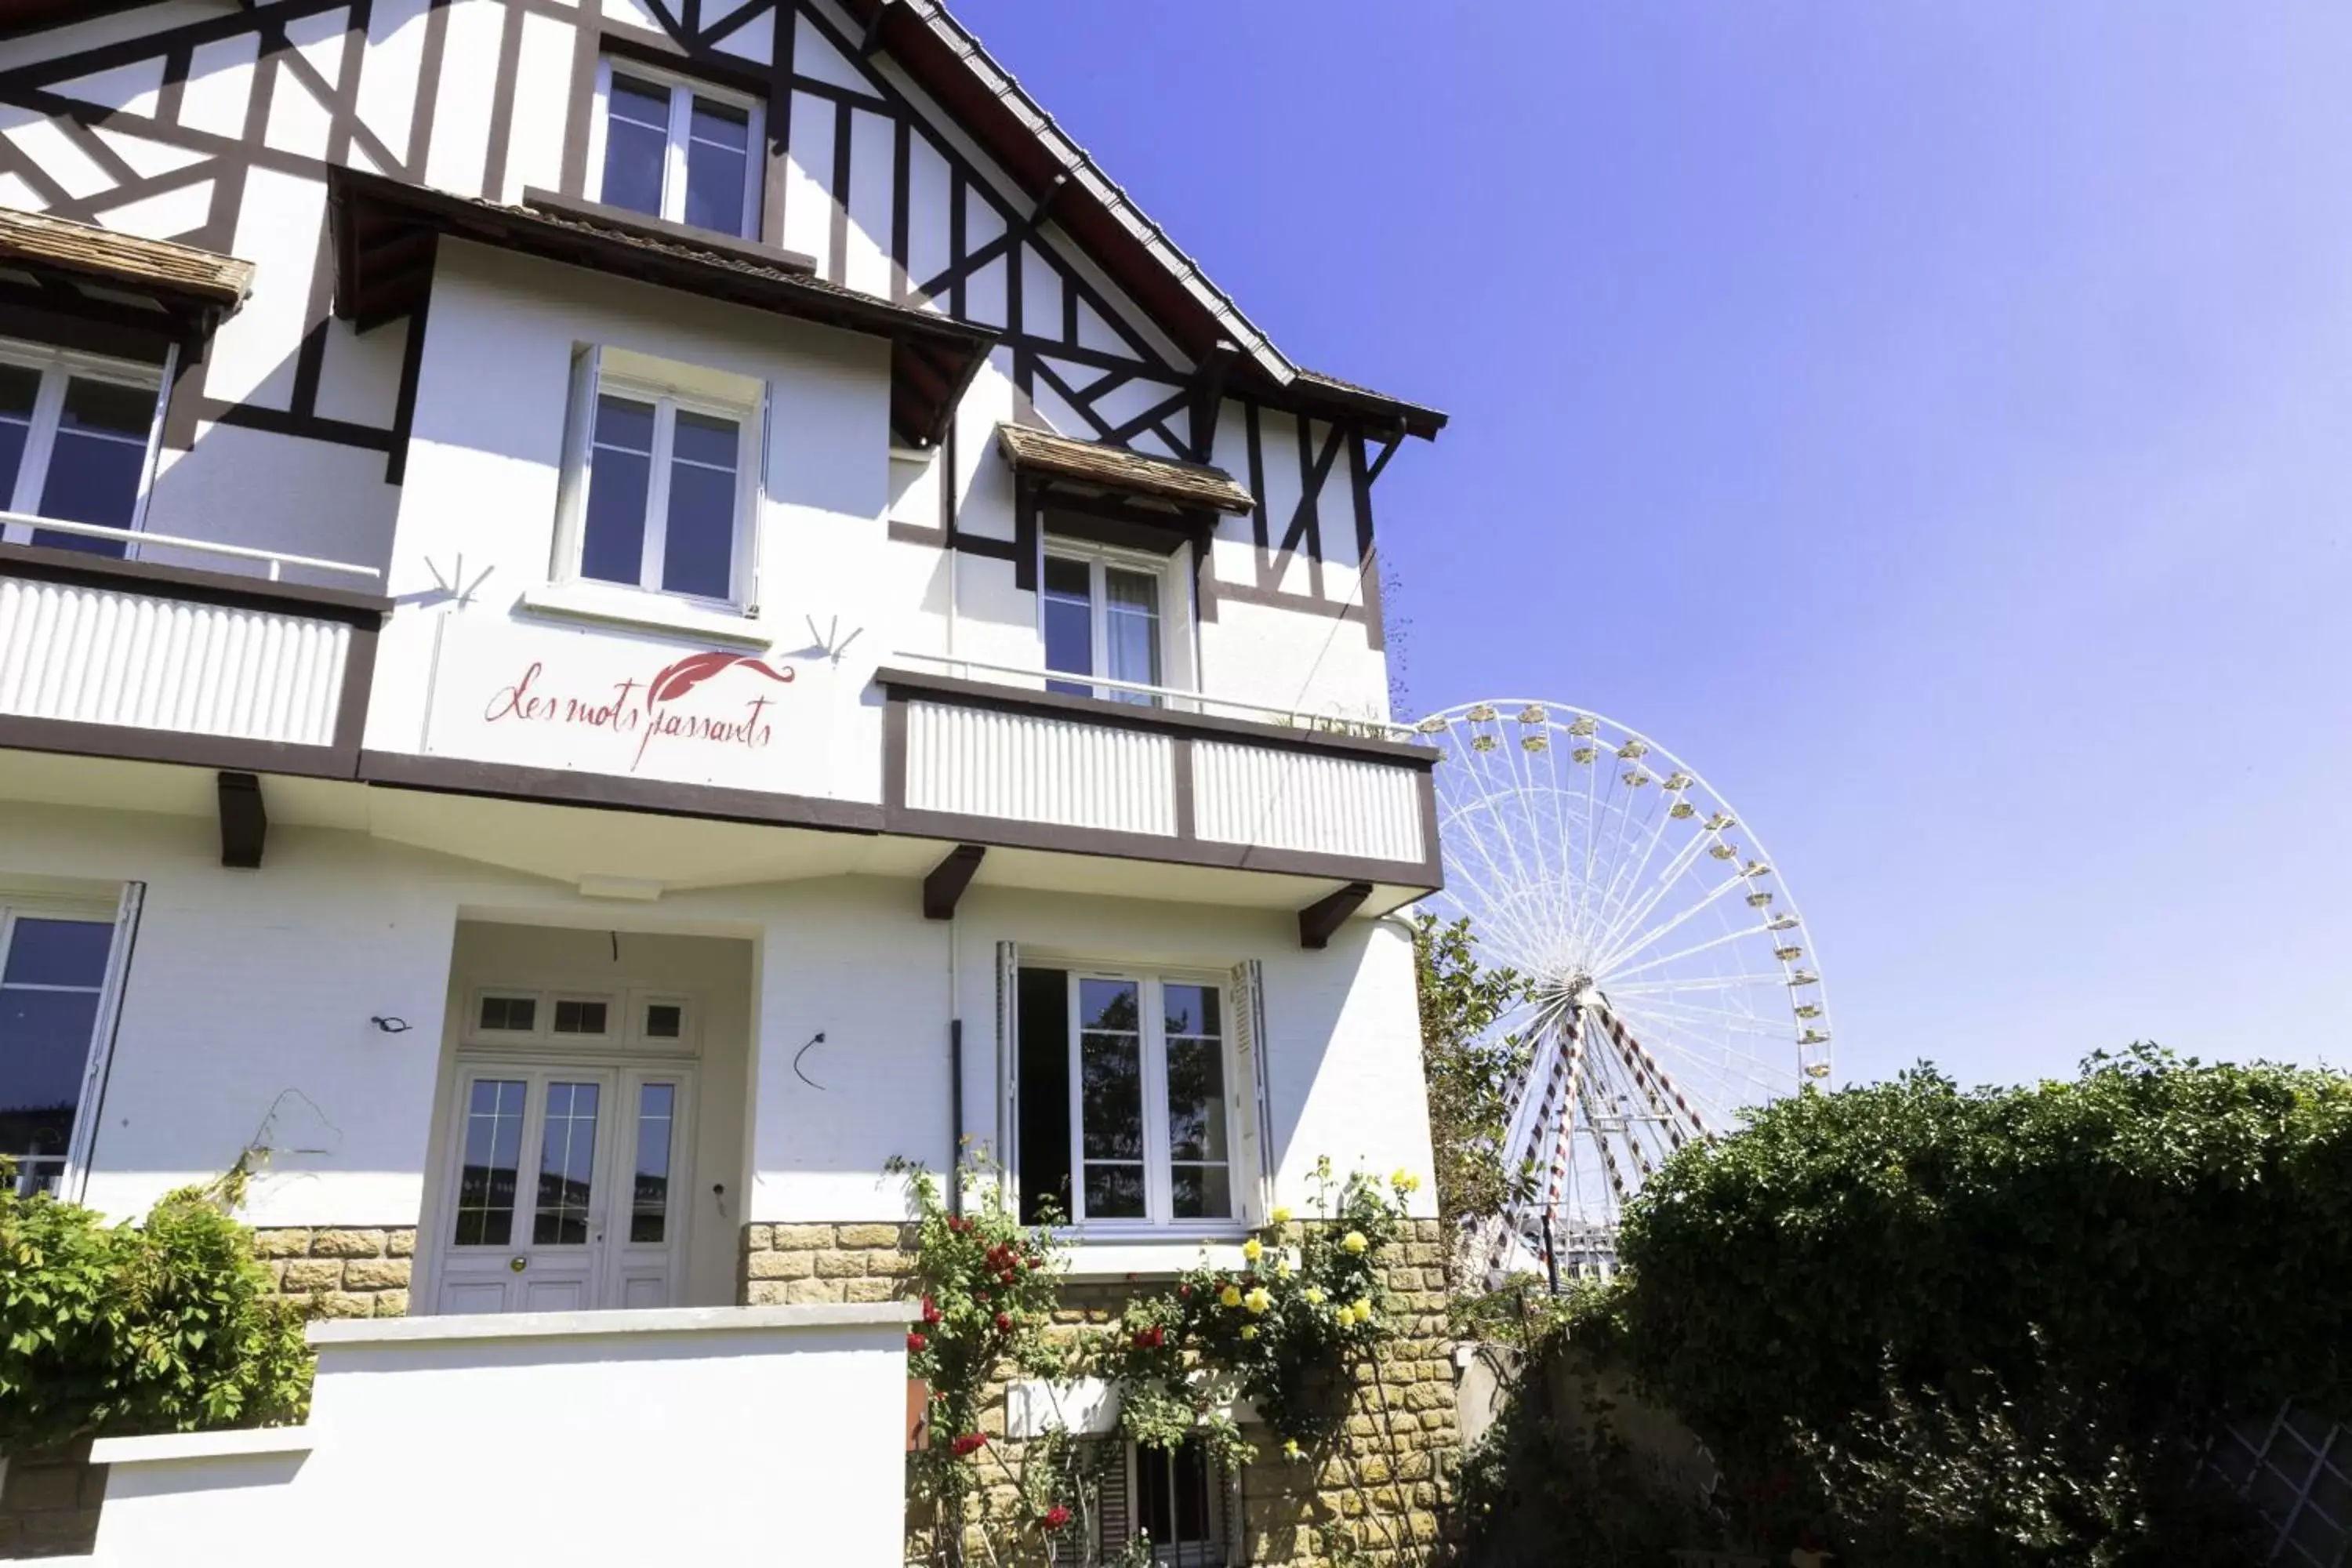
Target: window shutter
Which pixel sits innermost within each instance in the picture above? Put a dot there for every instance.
(759, 500)
(84, 1140)
(1113, 1515)
(1008, 1067)
(1226, 1501)
(1254, 1128)
(578, 431)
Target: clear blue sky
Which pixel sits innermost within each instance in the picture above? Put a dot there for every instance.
(1934, 421)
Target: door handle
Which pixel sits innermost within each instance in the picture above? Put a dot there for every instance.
(518, 1263)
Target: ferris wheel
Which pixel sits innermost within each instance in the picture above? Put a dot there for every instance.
(1671, 982)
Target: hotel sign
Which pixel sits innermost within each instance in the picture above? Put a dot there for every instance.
(553, 697)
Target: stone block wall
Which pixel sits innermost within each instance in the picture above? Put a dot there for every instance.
(1378, 1499)
(336, 1273)
(49, 1502)
(799, 1265)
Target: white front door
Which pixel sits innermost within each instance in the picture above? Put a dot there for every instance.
(563, 1188)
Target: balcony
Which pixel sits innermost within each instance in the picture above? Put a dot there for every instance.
(984, 754)
(101, 653)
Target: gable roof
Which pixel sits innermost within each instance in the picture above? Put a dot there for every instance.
(948, 63)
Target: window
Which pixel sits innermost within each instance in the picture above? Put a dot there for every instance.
(681, 151)
(1102, 617)
(1124, 1079)
(508, 1016)
(1182, 1499)
(52, 980)
(663, 480)
(75, 435)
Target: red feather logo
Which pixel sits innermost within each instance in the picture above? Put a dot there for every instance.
(696, 667)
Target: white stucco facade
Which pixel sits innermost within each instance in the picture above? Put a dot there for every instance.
(555, 892)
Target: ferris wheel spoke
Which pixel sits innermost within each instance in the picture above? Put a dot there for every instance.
(1520, 790)
(1635, 945)
(1509, 924)
(1678, 867)
(1700, 982)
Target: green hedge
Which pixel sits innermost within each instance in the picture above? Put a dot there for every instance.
(166, 1326)
(1900, 1278)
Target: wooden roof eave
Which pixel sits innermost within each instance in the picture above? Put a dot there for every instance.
(386, 232)
(197, 286)
(1091, 465)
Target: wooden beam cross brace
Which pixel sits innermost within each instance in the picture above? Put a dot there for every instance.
(1319, 920)
(944, 887)
(244, 822)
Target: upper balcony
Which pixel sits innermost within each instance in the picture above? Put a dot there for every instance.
(990, 754)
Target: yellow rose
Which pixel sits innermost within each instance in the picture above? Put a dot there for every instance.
(1405, 1181)
(1313, 1296)
(1283, 1269)
(1363, 1311)
(1253, 1249)
(1249, 1331)
(1257, 1301)
(1354, 1241)
(1281, 1216)
(1231, 1295)
(1290, 1450)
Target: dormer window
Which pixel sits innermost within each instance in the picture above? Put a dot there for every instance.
(75, 435)
(679, 151)
(662, 478)
(1101, 614)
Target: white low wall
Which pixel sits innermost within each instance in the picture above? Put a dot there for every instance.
(700, 1436)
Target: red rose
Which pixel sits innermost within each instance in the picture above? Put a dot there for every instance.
(931, 1310)
(915, 1343)
(1056, 1517)
(981, 1296)
(1183, 1289)
(970, 1442)
(1150, 1339)
(1006, 1278)
(1004, 1323)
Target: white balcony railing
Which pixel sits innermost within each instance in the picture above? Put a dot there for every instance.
(1183, 776)
(275, 560)
(1174, 698)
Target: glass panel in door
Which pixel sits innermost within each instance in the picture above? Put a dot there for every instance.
(526, 1230)
(647, 1242)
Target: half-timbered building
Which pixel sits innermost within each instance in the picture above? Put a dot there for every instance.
(610, 615)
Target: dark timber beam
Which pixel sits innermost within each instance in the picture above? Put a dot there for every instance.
(873, 38)
(944, 887)
(244, 824)
(1208, 393)
(1325, 915)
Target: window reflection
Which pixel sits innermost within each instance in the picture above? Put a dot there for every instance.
(566, 1165)
(649, 1200)
(485, 1182)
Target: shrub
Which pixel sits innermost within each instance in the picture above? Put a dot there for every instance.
(168, 1326)
(1921, 1298)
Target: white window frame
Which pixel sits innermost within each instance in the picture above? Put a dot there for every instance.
(1158, 1168)
(671, 389)
(1220, 1545)
(683, 91)
(58, 366)
(1098, 559)
(73, 1173)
